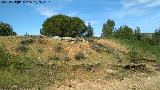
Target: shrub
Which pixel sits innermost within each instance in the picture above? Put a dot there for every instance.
(4, 58)
(22, 63)
(55, 57)
(58, 48)
(22, 48)
(134, 56)
(79, 56)
(27, 42)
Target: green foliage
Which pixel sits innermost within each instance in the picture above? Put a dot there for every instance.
(108, 28)
(4, 58)
(156, 37)
(22, 64)
(137, 33)
(6, 30)
(79, 56)
(63, 26)
(134, 56)
(124, 32)
(89, 31)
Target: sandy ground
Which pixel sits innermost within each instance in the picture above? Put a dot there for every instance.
(135, 82)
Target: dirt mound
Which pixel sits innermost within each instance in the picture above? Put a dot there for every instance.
(109, 43)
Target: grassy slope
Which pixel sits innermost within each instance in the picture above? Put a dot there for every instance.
(54, 66)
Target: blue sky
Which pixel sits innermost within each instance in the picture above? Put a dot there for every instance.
(30, 17)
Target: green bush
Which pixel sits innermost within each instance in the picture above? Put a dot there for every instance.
(134, 56)
(79, 56)
(22, 64)
(4, 58)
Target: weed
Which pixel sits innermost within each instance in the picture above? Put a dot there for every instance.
(134, 56)
(27, 42)
(58, 48)
(79, 56)
(55, 57)
(22, 48)
(4, 58)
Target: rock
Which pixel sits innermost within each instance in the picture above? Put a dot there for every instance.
(57, 38)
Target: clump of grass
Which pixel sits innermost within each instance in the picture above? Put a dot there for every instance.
(22, 48)
(4, 58)
(134, 56)
(54, 57)
(22, 64)
(27, 42)
(58, 47)
(40, 50)
(79, 56)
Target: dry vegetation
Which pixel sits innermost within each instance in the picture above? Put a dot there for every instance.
(95, 64)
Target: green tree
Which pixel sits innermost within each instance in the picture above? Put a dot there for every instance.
(6, 30)
(62, 25)
(137, 33)
(156, 37)
(108, 28)
(125, 32)
(89, 31)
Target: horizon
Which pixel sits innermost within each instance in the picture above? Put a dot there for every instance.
(30, 17)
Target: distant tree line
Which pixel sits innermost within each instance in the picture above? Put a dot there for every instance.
(126, 32)
(65, 26)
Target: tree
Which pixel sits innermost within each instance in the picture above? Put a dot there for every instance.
(125, 32)
(137, 33)
(156, 37)
(89, 31)
(6, 30)
(63, 26)
(108, 28)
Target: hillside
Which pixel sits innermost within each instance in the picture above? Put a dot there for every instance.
(38, 62)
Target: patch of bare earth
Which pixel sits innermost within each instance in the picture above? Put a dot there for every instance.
(109, 43)
(134, 82)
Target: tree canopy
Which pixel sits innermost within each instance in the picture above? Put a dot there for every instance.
(125, 32)
(63, 26)
(6, 30)
(89, 30)
(108, 28)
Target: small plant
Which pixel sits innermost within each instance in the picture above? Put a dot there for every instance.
(134, 56)
(58, 48)
(4, 58)
(22, 64)
(55, 57)
(27, 42)
(79, 56)
(40, 50)
(22, 48)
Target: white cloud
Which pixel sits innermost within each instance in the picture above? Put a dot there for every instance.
(140, 3)
(45, 11)
(139, 7)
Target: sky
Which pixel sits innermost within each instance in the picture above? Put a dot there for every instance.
(30, 17)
